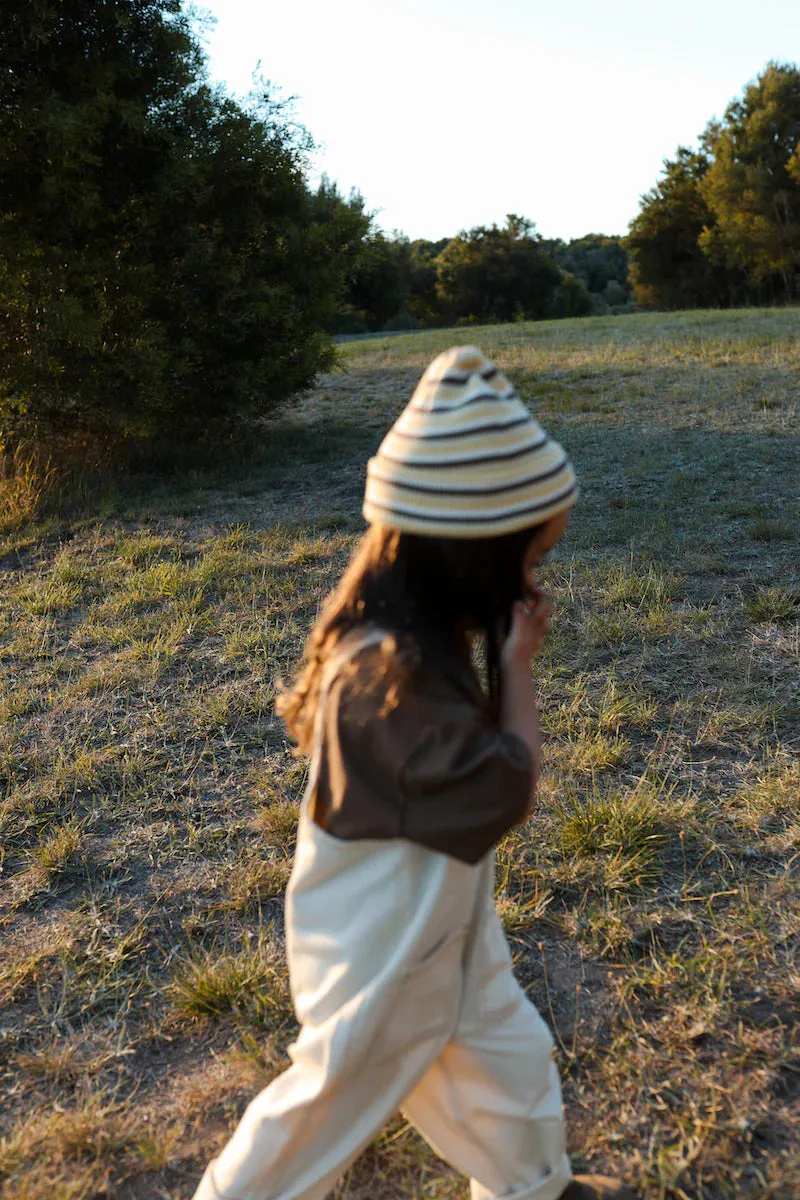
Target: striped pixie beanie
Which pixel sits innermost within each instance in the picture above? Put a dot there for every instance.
(466, 459)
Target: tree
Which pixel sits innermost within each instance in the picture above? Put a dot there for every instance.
(723, 224)
(349, 225)
(595, 259)
(570, 298)
(162, 261)
(752, 184)
(423, 302)
(493, 274)
(668, 267)
(379, 285)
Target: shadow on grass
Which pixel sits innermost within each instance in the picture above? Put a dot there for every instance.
(667, 492)
(47, 487)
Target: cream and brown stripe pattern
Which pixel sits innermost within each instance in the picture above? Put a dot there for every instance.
(466, 458)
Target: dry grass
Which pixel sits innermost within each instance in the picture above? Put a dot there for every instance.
(149, 795)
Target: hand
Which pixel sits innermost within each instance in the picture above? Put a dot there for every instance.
(530, 625)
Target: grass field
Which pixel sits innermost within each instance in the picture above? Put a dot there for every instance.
(652, 903)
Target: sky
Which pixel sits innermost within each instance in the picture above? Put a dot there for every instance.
(445, 116)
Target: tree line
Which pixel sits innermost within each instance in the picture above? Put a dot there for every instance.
(722, 225)
(721, 228)
(483, 275)
(165, 264)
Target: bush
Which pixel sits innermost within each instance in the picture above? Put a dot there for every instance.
(402, 320)
(348, 323)
(163, 266)
(570, 298)
(614, 293)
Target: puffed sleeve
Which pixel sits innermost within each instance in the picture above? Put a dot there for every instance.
(434, 769)
(464, 785)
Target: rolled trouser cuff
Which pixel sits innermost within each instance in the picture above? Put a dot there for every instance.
(549, 1188)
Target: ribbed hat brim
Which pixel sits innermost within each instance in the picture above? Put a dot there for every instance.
(446, 514)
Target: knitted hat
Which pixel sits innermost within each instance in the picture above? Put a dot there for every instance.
(466, 459)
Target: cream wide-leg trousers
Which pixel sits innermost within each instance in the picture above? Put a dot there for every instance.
(403, 985)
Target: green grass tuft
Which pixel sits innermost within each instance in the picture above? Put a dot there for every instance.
(58, 850)
(774, 603)
(627, 831)
(246, 984)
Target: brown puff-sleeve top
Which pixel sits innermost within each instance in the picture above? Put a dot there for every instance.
(434, 769)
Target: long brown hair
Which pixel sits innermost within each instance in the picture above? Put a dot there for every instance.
(425, 592)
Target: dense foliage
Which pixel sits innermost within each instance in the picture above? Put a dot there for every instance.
(600, 263)
(162, 261)
(492, 274)
(722, 226)
(484, 274)
(668, 268)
